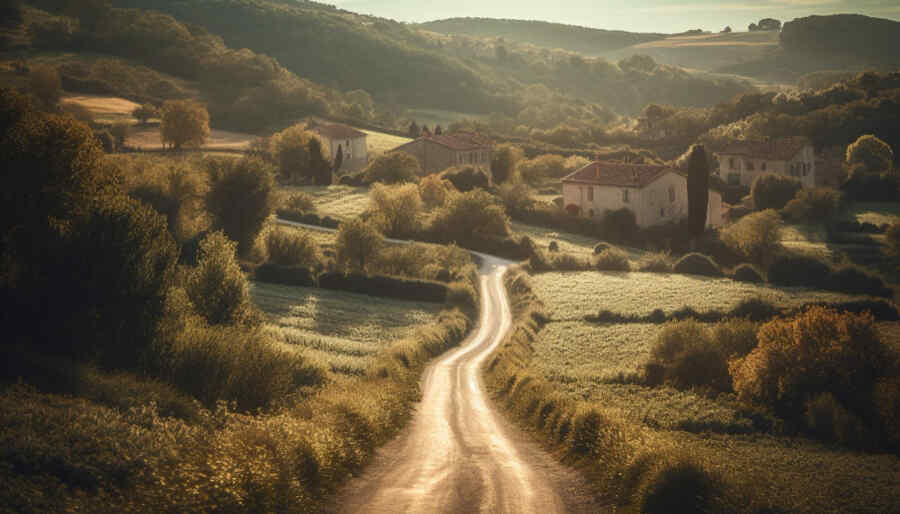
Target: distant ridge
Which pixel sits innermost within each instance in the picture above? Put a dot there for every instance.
(583, 40)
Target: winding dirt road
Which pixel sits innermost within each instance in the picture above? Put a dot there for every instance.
(457, 455)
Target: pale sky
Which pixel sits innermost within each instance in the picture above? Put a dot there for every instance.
(631, 15)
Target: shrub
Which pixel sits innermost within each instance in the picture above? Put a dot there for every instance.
(771, 191)
(828, 420)
(619, 224)
(690, 358)
(814, 205)
(144, 112)
(358, 243)
(106, 140)
(747, 273)
(396, 209)
(599, 247)
(754, 309)
(291, 248)
(217, 287)
(817, 351)
(467, 178)
(697, 264)
(302, 203)
(44, 83)
(587, 425)
(677, 485)
(854, 280)
(516, 198)
(301, 276)
(240, 198)
(655, 263)
(871, 152)
(475, 213)
(756, 236)
(735, 337)
(387, 287)
(434, 190)
(543, 166)
(392, 168)
(863, 186)
(300, 156)
(183, 123)
(553, 246)
(612, 259)
(796, 270)
(504, 160)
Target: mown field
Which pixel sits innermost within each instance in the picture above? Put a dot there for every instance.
(571, 296)
(586, 361)
(379, 142)
(337, 331)
(341, 202)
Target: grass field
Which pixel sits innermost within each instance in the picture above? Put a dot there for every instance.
(379, 142)
(575, 244)
(571, 296)
(791, 474)
(341, 202)
(338, 331)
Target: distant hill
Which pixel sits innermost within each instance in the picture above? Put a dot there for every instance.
(704, 51)
(583, 40)
(841, 42)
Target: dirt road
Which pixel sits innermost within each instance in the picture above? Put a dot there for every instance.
(457, 455)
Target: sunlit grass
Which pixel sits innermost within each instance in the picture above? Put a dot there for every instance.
(341, 202)
(338, 331)
(874, 212)
(571, 296)
(379, 142)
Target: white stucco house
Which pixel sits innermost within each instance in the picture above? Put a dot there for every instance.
(656, 194)
(742, 161)
(350, 141)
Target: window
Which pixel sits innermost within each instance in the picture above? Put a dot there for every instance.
(731, 163)
(590, 194)
(662, 212)
(749, 165)
(671, 194)
(625, 196)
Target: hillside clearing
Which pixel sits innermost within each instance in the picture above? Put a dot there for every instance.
(379, 142)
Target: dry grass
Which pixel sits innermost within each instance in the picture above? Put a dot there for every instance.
(341, 202)
(571, 296)
(149, 139)
(105, 109)
(356, 326)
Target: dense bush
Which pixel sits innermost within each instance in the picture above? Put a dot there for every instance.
(300, 156)
(397, 210)
(873, 153)
(517, 198)
(612, 259)
(434, 191)
(863, 186)
(771, 191)
(385, 286)
(689, 357)
(217, 287)
(655, 263)
(466, 178)
(814, 205)
(748, 273)
(301, 276)
(828, 420)
(619, 224)
(675, 486)
(504, 160)
(240, 198)
(183, 123)
(793, 270)
(467, 215)
(756, 236)
(697, 264)
(291, 248)
(818, 351)
(358, 244)
(393, 168)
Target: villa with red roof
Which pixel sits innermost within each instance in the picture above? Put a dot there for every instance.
(349, 141)
(656, 194)
(742, 161)
(436, 153)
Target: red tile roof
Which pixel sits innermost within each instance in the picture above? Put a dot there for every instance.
(459, 141)
(338, 131)
(618, 174)
(782, 149)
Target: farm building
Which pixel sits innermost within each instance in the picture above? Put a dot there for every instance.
(349, 141)
(656, 194)
(742, 161)
(438, 152)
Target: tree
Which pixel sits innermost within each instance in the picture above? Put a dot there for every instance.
(144, 112)
(698, 192)
(425, 131)
(873, 153)
(338, 159)
(438, 130)
(217, 287)
(45, 84)
(726, 30)
(363, 102)
(771, 191)
(358, 243)
(241, 198)
(476, 213)
(393, 167)
(184, 123)
(757, 236)
(397, 209)
(504, 160)
(300, 156)
(769, 24)
(753, 27)
(414, 130)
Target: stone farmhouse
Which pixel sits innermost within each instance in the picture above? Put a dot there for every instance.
(742, 161)
(436, 153)
(656, 194)
(351, 142)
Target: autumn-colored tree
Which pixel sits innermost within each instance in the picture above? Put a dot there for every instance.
(184, 123)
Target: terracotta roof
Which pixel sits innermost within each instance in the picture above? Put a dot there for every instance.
(338, 131)
(460, 141)
(782, 149)
(618, 174)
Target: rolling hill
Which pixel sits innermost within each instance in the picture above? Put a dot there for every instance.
(584, 40)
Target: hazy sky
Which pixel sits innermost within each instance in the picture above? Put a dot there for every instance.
(634, 15)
